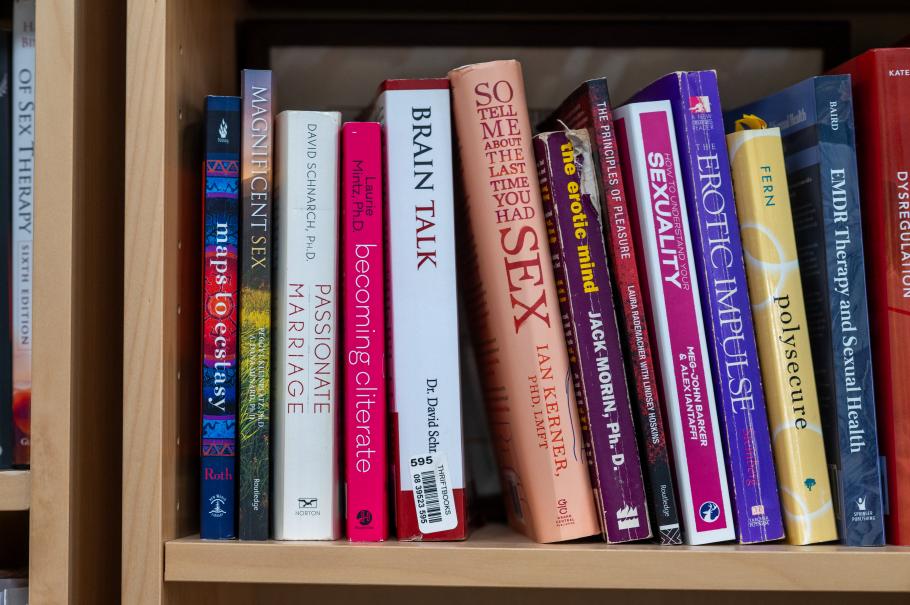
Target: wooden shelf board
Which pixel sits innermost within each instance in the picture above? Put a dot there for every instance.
(494, 556)
(15, 490)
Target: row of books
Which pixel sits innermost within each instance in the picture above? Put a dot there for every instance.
(17, 170)
(665, 278)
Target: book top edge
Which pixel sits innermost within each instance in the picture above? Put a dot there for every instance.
(415, 84)
(502, 63)
(287, 113)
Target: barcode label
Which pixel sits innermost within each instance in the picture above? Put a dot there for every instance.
(433, 494)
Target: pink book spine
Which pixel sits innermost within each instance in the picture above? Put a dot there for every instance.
(367, 514)
(674, 306)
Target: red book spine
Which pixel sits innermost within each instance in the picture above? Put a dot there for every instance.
(881, 94)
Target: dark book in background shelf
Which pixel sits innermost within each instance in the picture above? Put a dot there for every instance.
(817, 126)
(221, 218)
(575, 231)
(255, 304)
(6, 164)
(589, 107)
(22, 86)
(718, 256)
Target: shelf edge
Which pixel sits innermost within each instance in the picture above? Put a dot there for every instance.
(483, 562)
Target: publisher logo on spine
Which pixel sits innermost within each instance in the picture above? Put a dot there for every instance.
(700, 104)
(627, 517)
(307, 507)
(862, 512)
(217, 502)
(223, 132)
(709, 511)
(364, 517)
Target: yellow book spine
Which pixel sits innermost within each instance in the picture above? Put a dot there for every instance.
(779, 313)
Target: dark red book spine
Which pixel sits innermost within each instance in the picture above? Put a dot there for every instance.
(589, 108)
(881, 96)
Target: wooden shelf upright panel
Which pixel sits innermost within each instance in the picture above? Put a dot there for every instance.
(77, 302)
(177, 52)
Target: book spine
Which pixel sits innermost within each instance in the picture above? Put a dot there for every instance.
(255, 304)
(881, 89)
(523, 352)
(728, 314)
(590, 109)
(575, 231)
(775, 287)
(221, 219)
(364, 332)
(23, 96)
(886, 161)
(305, 485)
(425, 392)
(6, 202)
(853, 442)
(651, 161)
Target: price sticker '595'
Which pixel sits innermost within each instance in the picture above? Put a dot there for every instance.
(433, 497)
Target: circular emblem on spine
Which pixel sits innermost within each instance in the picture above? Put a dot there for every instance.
(364, 517)
(709, 512)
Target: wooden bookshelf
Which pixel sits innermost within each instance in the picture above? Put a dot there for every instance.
(496, 557)
(15, 490)
(177, 52)
(77, 305)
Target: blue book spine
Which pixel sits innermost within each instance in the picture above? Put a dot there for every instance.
(219, 317)
(721, 276)
(849, 417)
(817, 125)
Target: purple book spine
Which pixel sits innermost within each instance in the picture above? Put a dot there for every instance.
(575, 233)
(707, 182)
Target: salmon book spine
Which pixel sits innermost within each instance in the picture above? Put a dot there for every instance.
(221, 220)
(363, 290)
(421, 297)
(575, 230)
(589, 107)
(306, 503)
(663, 242)
(255, 305)
(521, 347)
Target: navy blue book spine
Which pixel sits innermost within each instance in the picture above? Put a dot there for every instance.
(221, 218)
(6, 201)
(817, 124)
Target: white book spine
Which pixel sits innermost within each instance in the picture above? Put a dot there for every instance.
(23, 192)
(676, 317)
(425, 397)
(305, 391)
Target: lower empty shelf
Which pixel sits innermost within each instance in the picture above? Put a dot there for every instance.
(494, 556)
(15, 488)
